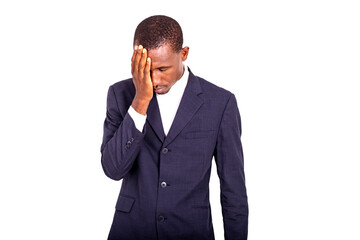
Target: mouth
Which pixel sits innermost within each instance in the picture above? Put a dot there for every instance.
(159, 89)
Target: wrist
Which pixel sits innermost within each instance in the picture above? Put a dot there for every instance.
(140, 105)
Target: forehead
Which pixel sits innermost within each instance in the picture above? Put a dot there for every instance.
(163, 55)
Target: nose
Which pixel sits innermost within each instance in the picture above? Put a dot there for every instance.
(155, 78)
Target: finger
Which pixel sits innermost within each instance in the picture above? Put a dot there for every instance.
(137, 59)
(132, 59)
(142, 62)
(147, 69)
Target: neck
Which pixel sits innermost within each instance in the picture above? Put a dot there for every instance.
(183, 71)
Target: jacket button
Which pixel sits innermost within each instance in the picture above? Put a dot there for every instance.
(161, 218)
(163, 184)
(165, 150)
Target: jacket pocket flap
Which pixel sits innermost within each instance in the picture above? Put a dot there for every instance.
(124, 204)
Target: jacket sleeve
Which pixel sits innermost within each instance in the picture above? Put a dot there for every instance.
(230, 168)
(121, 140)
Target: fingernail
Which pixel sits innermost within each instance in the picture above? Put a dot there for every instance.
(148, 59)
(140, 47)
(144, 50)
(136, 47)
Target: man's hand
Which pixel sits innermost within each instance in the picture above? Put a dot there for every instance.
(140, 70)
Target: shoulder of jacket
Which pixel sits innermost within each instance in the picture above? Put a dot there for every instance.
(124, 92)
(213, 89)
(123, 84)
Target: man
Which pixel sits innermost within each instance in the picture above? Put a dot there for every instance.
(162, 128)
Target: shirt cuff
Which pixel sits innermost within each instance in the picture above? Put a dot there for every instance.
(138, 118)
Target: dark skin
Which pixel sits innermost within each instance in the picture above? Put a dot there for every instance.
(156, 70)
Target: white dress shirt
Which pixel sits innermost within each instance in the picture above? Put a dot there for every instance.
(168, 104)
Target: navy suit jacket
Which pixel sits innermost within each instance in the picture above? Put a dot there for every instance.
(165, 188)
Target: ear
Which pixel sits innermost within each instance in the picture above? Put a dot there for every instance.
(184, 53)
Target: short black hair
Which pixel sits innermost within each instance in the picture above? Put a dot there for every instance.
(157, 30)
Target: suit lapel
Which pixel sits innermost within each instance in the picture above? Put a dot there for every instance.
(190, 103)
(154, 118)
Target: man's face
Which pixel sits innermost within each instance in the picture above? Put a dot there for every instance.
(166, 67)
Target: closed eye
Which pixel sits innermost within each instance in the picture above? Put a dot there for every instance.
(163, 69)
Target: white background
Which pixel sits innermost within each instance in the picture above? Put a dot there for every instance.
(293, 66)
